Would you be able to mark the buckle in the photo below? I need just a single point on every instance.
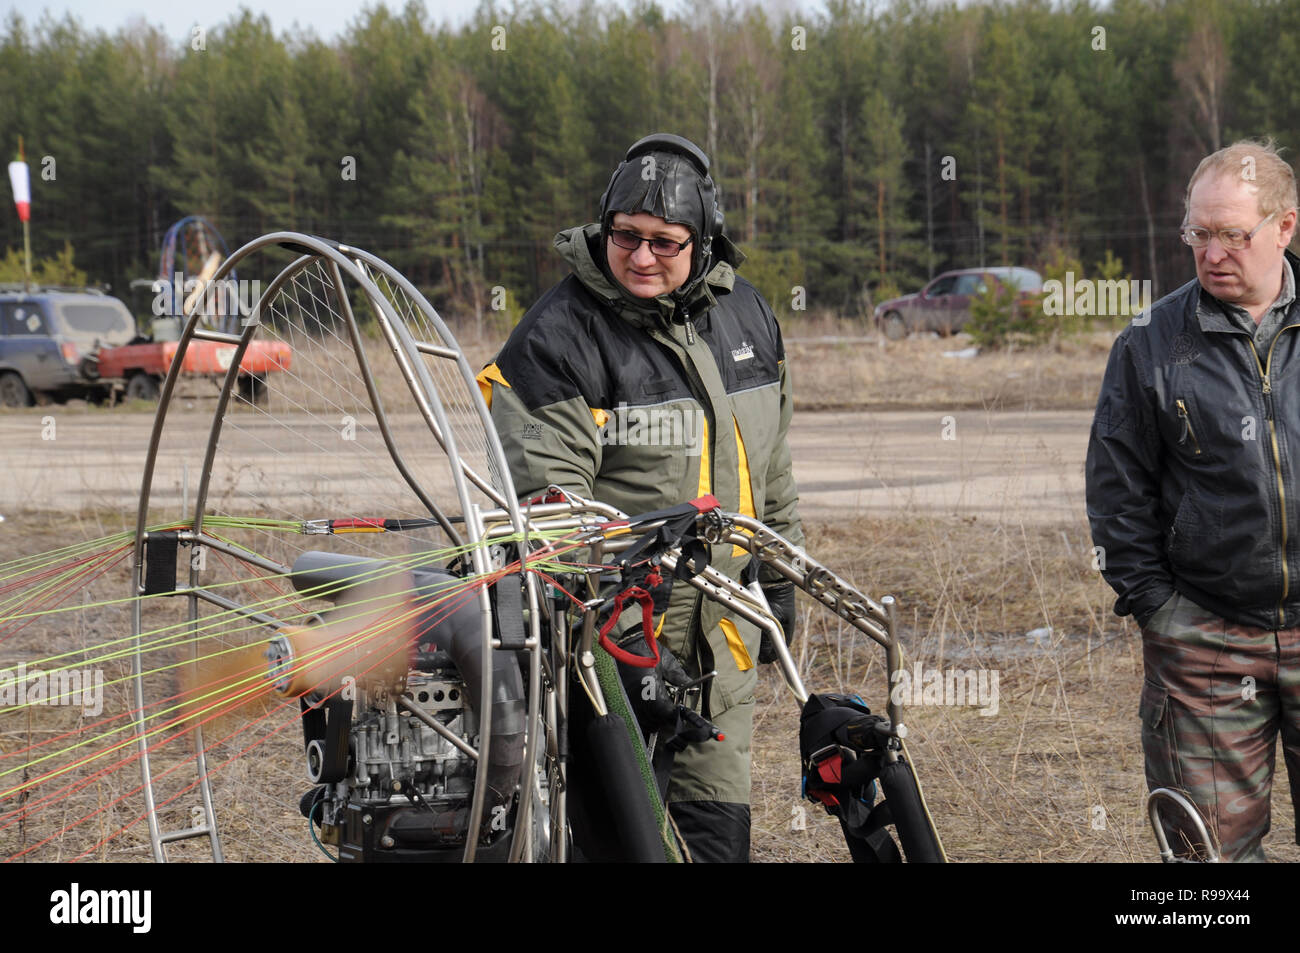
(829, 761)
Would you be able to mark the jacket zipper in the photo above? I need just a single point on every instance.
(697, 382)
(1266, 386)
(1187, 429)
(708, 405)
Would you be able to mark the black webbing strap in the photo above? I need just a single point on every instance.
(678, 529)
(865, 834)
(160, 563)
(509, 615)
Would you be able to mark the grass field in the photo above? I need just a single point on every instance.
(1054, 775)
(844, 365)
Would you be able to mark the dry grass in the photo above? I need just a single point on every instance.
(90, 804)
(1025, 784)
(837, 372)
(1056, 774)
(845, 365)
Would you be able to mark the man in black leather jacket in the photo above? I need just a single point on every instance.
(1194, 500)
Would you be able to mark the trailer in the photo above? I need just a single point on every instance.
(138, 370)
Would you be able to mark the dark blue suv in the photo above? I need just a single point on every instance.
(47, 336)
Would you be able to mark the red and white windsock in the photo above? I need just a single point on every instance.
(22, 184)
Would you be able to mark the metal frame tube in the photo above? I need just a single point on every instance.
(548, 686)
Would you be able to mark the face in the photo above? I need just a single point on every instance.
(643, 273)
(1249, 277)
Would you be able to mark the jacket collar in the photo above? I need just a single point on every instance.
(578, 247)
(1215, 317)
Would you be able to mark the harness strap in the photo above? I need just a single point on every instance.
(647, 628)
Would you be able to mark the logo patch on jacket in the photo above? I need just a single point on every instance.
(743, 353)
(1182, 349)
(532, 431)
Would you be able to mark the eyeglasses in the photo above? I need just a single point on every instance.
(1230, 238)
(661, 247)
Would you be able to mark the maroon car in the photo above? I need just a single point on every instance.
(944, 304)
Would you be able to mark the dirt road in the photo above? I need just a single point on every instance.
(1016, 466)
(1013, 466)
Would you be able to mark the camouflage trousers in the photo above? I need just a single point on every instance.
(1214, 698)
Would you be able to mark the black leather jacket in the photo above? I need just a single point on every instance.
(1193, 462)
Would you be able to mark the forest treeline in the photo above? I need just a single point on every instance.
(859, 147)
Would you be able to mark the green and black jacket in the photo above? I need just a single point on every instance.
(643, 404)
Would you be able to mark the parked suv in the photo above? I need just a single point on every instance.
(944, 304)
(46, 335)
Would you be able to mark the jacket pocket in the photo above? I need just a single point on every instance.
(1197, 526)
(648, 453)
(1160, 617)
(1159, 739)
(1187, 432)
(733, 643)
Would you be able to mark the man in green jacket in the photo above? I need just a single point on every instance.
(650, 376)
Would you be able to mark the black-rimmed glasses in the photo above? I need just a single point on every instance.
(661, 247)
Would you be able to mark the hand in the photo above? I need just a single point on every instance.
(692, 728)
(648, 688)
(780, 599)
